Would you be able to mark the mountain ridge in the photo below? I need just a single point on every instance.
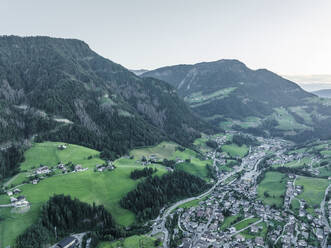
(228, 92)
(105, 105)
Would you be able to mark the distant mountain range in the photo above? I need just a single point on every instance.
(227, 93)
(323, 93)
(59, 89)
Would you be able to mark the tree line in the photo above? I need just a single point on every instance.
(147, 171)
(154, 192)
(10, 160)
(61, 216)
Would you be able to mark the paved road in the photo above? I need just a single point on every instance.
(6, 205)
(326, 222)
(173, 207)
(241, 230)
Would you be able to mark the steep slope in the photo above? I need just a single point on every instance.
(59, 89)
(228, 93)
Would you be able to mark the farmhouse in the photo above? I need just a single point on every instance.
(60, 166)
(9, 193)
(43, 170)
(21, 202)
(16, 191)
(69, 242)
(62, 147)
(35, 181)
(78, 167)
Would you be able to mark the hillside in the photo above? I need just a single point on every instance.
(323, 93)
(230, 95)
(60, 90)
(105, 188)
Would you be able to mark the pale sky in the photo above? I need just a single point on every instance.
(286, 36)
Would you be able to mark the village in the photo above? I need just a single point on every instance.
(233, 216)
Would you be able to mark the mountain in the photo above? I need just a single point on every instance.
(229, 94)
(139, 72)
(59, 89)
(323, 93)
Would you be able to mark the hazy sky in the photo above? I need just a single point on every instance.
(286, 36)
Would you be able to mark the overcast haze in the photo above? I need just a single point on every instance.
(288, 37)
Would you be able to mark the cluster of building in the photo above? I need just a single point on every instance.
(213, 222)
(103, 167)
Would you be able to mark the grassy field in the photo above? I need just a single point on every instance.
(274, 184)
(325, 171)
(130, 242)
(302, 113)
(286, 121)
(193, 203)
(244, 223)
(200, 143)
(313, 189)
(296, 163)
(235, 150)
(162, 151)
(194, 169)
(47, 153)
(228, 221)
(105, 188)
(262, 233)
(295, 205)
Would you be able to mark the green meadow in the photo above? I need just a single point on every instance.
(136, 241)
(105, 188)
(235, 150)
(313, 189)
(244, 223)
(274, 183)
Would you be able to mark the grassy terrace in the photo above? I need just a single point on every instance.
(262, 233)
(313, 189)
(244, 223)
(286, 121)
(106, 188)
(235, 150)
(167, 150)
(228, 221)
(130, 242)
(296, 163)
(274, 184)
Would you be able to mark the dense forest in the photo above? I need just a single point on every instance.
(60, 90)
(10, 160)
(151, 195)
(61, 216)
(241, 139)
(147, 171)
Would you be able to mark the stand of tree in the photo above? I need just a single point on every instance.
(61, 216)
(240, 140)
(10, 160)
(212, 144)
(147, 171)
(151, 195)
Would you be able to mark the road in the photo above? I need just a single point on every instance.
(6, 205)
(241, 230)
(324, 242)
(161, 227)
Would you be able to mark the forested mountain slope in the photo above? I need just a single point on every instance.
(59, 89)
(228, 93)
